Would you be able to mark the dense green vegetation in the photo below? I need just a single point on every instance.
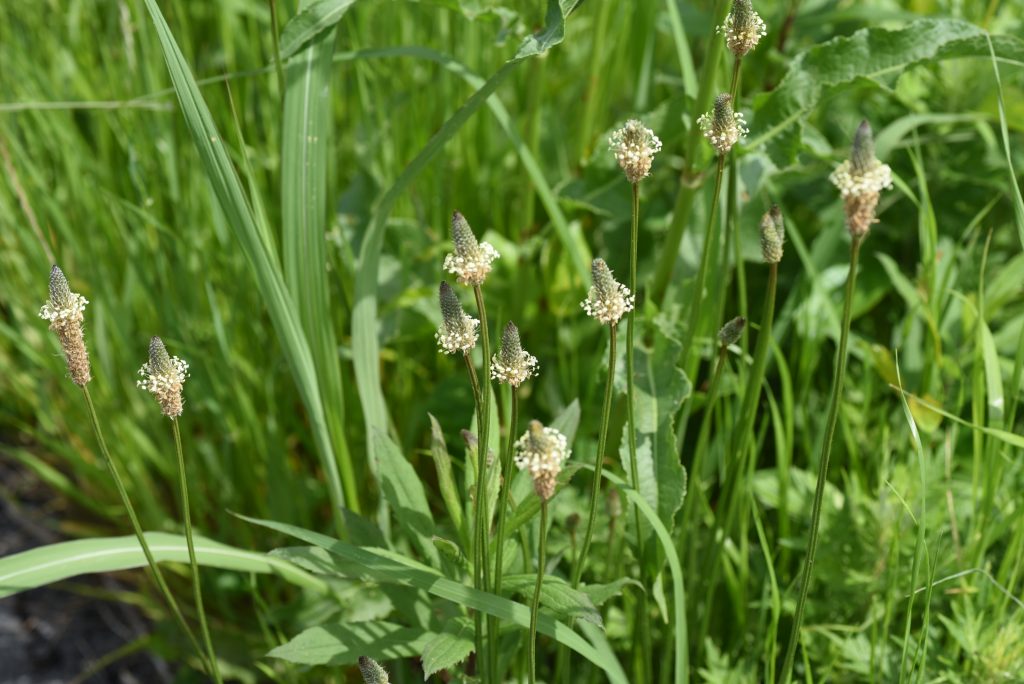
(289, 244)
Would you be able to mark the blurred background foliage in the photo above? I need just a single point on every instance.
(100, 176)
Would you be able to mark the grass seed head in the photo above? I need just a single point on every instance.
(513, 365)
(722, 126)
(471, 261)
(731, 331)
(773, 235)
(372, 672)
(541, 451)
(65, 310)
(608, 300)
(164, 377)
(634, 146)
(743, 28)
(458, 330)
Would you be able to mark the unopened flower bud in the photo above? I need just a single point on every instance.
(743, 28)
(731, 331)
(608, 300)
(471, 261)
(541, 451)
(634, 146)
(722, 126)
(773, 235)
(164, 377)
(513, 365)
(65, 311)
(458, 330)
(372, 672)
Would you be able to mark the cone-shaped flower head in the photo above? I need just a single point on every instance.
(743, 28)
(458, 330)
(722, 127)
(541, 451)
(513, 365)
(163, 376)
(471, 261)
(372, 672)
(773, 235)
(65, 311)
(731, 331)
(860, 179)
(608, 300)
(634, 146)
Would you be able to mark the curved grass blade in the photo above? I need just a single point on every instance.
(230, 196)
(55, 562)
(313, 19)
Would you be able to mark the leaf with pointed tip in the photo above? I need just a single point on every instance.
(343, 644)
(449, 647)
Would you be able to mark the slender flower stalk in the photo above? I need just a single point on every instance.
(511, 366)
(470, 263)
(859, 180)
(541, 451)
(164, 377)
(65, 312)
(607, 302)
(634, 147)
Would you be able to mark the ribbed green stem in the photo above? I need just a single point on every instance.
(506, 485)
(535, 606)
(634, 472)
(826, 452)
(478, 618)
(158, 575)
(705, 258)
(193, 563)
(602, 442)
(482, 565)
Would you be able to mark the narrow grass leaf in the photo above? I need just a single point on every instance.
(314, 19)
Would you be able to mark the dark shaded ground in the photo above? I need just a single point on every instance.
(54, 635)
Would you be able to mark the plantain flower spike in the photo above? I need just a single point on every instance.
(608, 300)
(860, 180)
(458, 330)
(743, 28)
(773, 235)
(471, 261)
(634, 146)
(731, 331)
(541, 451)
(722, 127)
(513, 365)
(163, 376)
(372, 672)
(65, 311)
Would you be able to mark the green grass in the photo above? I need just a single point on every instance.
(286, 238)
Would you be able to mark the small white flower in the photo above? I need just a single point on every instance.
(471, 261)
(634, 146)
(66, 313)
(164, 376)
(722, 127)
(513, 365)
(743, 28)
(874, 178)
(458, 330)
(608, 300)
(541, 451)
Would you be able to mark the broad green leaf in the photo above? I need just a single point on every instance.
(55, 562)
(449, 647)
(314, 19)
(661, 387)
(556, 595)
(445, 479)
(552, 33)
(568, 421)
(380, 566)
(601, 593)
(870, 53)
(305, 140)
(255, 244)
(342, 644)
(404, 492)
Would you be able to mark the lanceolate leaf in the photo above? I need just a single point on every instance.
(868, 53)
(556, 595)
(342, 644)
(404, 492)
(448, 648)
